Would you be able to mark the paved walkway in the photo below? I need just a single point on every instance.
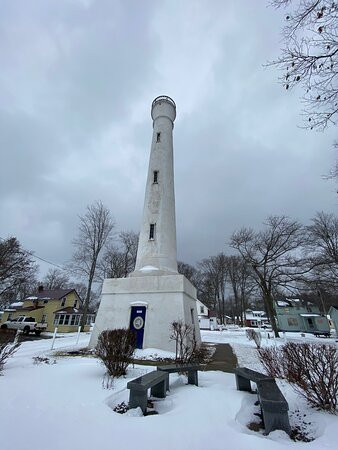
(223, 359)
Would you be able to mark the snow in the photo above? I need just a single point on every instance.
(282, 303)
(309, 315)
(32, 298)
(153, 354)
(16, 304)
(148, 268)
(64, 406)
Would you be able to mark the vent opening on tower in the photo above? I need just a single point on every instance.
(158, 137)
(155, 179)
(152, 231)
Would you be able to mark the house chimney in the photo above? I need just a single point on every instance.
(40, 288)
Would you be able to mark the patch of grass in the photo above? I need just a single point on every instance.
(84, 352)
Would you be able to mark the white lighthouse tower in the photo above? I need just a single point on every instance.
(155, 294)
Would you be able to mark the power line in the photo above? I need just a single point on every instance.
(42, 259)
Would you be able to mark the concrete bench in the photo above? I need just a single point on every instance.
(274, 407)
(191, 369)
(155, 380)
(245, 375)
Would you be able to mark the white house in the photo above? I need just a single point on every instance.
(202, 310)
(207, 319)
(256, 318)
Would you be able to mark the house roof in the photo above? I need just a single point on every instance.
(334, 307)
(49, 294)
(69, 310)
(27, 308)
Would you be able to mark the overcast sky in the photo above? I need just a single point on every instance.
(77, 78)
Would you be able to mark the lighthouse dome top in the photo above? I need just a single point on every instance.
(163, 106)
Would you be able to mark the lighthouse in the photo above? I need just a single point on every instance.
(154, 295)
(157, 242)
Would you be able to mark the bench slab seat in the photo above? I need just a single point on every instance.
(244, 375)
(273, 404)
(192, 370)
(274, 407)
(138, 396)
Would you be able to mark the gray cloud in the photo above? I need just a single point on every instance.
(76, 84)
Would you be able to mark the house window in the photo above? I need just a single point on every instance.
(59, 319)
(292, 321)
(158, 137)
(44, 318)
(75, 303)
(155, 180)
(202, 309)
(90, 319)
(66, 322)
(192, 316)
(72, 320)
(63, 302)
(152, 231)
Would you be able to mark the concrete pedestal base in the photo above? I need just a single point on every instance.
(167, 298)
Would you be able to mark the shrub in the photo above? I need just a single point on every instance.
(121, 408)
(115, 348)
(7, 349)
(255, 336)
(187, 349)
(311, 369)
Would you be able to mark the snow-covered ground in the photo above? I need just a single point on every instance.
(245, 350)
(64, 406)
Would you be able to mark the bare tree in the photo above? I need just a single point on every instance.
(17, 269)
(94, 298)
(310, 57)
(241, 282)
(323, 239)
(119, 260)
(272, 255)
(190, 272)
(56, 279)
(95, 230)
(129, 244)
(214, 278)
(322, 255)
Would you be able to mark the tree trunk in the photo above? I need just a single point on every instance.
(86, 302)
(271, 313)
(320, 294)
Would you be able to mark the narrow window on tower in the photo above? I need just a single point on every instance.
(158, 137)
(152, 231)
(155, 176)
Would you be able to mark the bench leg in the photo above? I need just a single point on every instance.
(138, 398)
(243, 384)
(166, 381)
(193, 377)
(159, 390)
(276, 421)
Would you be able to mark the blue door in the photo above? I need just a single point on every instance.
(137, 321)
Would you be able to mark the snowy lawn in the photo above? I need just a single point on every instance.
(63, 406)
